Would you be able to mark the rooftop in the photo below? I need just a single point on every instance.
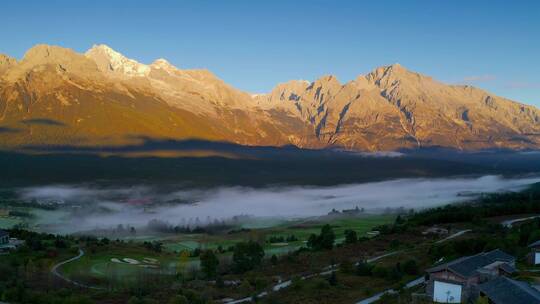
(503, 290)
(467, 266)
(535, 244)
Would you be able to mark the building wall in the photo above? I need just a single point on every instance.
(4, 239)
(444, 292)
(446, 275)
(468, 286)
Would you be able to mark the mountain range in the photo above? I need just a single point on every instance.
(55, 96)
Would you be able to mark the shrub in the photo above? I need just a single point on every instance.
(179, 299)
(346, 267)
(209, 263)
(410, 267)
(323, 241)
(379, 272)
(364, 269)
(246, 256)
(350, 236)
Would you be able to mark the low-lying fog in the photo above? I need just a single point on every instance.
(92, 207)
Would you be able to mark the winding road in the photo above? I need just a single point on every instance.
(56, 267)
(509, 223)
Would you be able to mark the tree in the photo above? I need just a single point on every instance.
(410, 267)
(274, 259)
(333, 279)
(327, 237)
(179, 299)
(363, 269)
(219, 282)
(394, 274)
(209, 263)
(482, 300)
(350, 236)
(246, 256)
(182, 262)
(325, 240)
(134, 300)
(379, 271)
(313, 242)
(346, 267)
(245, 287)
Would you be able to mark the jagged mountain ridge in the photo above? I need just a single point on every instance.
(55, 96)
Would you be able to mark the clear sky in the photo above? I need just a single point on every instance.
(253, 45)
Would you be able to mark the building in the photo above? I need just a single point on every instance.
(458, 280)
(503, 290)
(4, 237)
(534, 255)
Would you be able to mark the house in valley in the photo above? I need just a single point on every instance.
(458, 280)
(7, 244)
(4, 237)
(534, 255)
(503, 290)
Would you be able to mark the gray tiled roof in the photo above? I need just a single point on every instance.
(535, 244)
(508, 268)
(467, 266)
(499, 255)
(503, 290)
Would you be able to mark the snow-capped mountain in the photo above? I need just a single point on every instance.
(57, 96)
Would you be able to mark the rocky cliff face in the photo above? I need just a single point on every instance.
(392, 107)
(55, 96)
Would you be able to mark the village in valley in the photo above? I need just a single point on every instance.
(483, 251)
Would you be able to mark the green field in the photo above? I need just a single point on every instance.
(304, 228)
(9, 222)
(40, 219)
(361, 224)
(301, 229)
(102, 267)
(98, 268)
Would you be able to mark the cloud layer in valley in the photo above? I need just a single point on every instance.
(138, 205)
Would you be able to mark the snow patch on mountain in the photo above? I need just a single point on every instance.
(113, 61)
(165, 65)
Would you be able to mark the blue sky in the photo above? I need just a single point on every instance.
(253, 45)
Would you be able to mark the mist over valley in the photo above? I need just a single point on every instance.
(88, 207)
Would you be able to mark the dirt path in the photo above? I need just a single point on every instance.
(333, 268)
(57, 273)
(412, 283)
(455, 235)
(509, 223)
(285, 284)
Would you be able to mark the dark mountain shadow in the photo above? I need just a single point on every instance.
(251, 166)
(8, 130)
(150, 145)
(43, 122)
